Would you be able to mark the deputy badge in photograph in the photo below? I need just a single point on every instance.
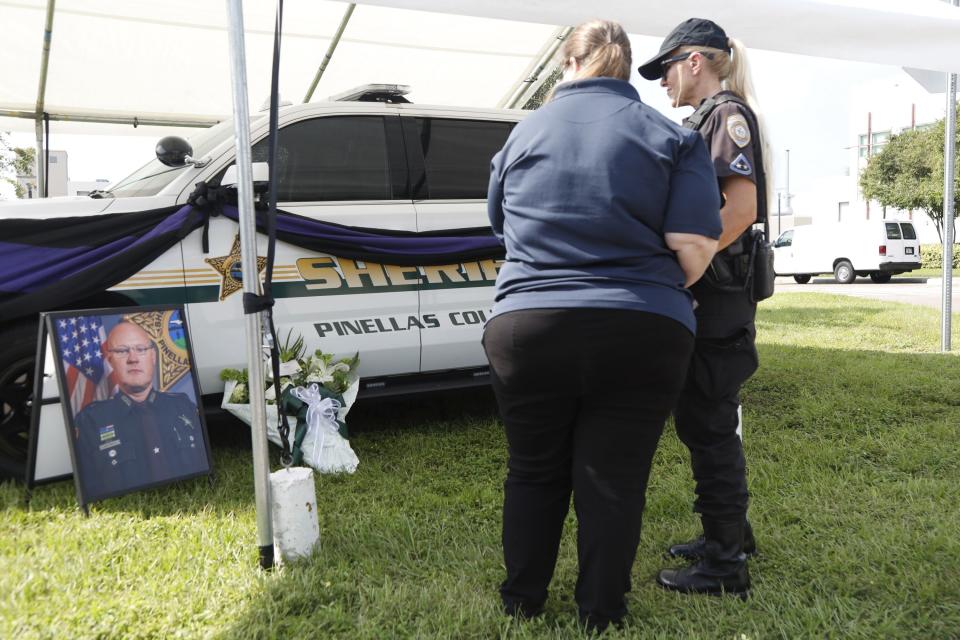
(738, 130)
(166, 329)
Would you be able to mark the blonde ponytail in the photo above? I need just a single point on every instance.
(738, 78)
(734, 73)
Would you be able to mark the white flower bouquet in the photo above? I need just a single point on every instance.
(316, 391)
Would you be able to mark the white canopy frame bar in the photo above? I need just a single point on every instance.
(113, 117)
(329, 54)
(41, 97)
(532, 77)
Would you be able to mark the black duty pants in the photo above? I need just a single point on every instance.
(584, 394)
(706, 419)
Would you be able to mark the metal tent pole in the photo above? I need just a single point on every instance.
(949, 171)
(329, 54)
(789, 206)
(526, 84)
(533, 70)
(115, 117)
(41, 98)
(251, 282)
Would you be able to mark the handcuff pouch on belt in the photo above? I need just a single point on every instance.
(746, 266)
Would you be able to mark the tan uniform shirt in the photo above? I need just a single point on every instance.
(730, 141)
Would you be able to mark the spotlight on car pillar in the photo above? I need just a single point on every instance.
(173, 151)
(261, 177)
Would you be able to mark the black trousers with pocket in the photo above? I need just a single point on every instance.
(706, 421)
(584, 394)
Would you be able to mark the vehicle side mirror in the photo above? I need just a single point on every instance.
(261, 176)
(173, 151)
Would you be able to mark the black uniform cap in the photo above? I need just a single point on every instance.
(695, 32)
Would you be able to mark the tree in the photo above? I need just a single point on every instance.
(908, 173)
(16, 160)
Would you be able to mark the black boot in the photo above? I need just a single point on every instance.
(723, 568)
(693, 549)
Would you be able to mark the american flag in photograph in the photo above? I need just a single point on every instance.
(88, 375)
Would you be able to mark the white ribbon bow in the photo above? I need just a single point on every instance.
(321, 413)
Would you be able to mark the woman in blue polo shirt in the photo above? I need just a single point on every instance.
(608, 211)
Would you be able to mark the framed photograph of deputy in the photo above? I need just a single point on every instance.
(130, 399)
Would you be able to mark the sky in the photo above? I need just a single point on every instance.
(804, 100)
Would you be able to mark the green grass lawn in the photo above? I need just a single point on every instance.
(926, 272)
(853, 452)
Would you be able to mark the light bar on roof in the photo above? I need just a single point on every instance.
(358, 93)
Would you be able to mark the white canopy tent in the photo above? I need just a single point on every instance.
(914, 33)
(164, 60)
(132, 56)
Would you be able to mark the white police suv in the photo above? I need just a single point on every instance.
(365, 159)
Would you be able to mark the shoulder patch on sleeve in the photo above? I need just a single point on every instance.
(738, 130)
(741, 165)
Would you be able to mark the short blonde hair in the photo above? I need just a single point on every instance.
(602, 49)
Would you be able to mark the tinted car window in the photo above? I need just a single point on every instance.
(149, 180)
(893, 231)
(457, 155)
(785, 240)
(909, 233)
(335, 158)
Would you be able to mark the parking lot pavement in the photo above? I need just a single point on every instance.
(921, 291)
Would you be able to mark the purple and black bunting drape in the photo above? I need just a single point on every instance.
(47, 264)
(405, 248)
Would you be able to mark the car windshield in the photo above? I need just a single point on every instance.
(152, 177)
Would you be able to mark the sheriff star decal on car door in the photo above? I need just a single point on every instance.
(230, 271)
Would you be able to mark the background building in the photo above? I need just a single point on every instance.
(60, 182)
(58, 174)
(878, 109)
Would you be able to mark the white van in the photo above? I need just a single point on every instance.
(876, 248)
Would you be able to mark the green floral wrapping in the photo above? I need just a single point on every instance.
(293, 406)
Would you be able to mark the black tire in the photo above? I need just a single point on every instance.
(843, 272)
(802, 278)
(880, 277)
(17, 359)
